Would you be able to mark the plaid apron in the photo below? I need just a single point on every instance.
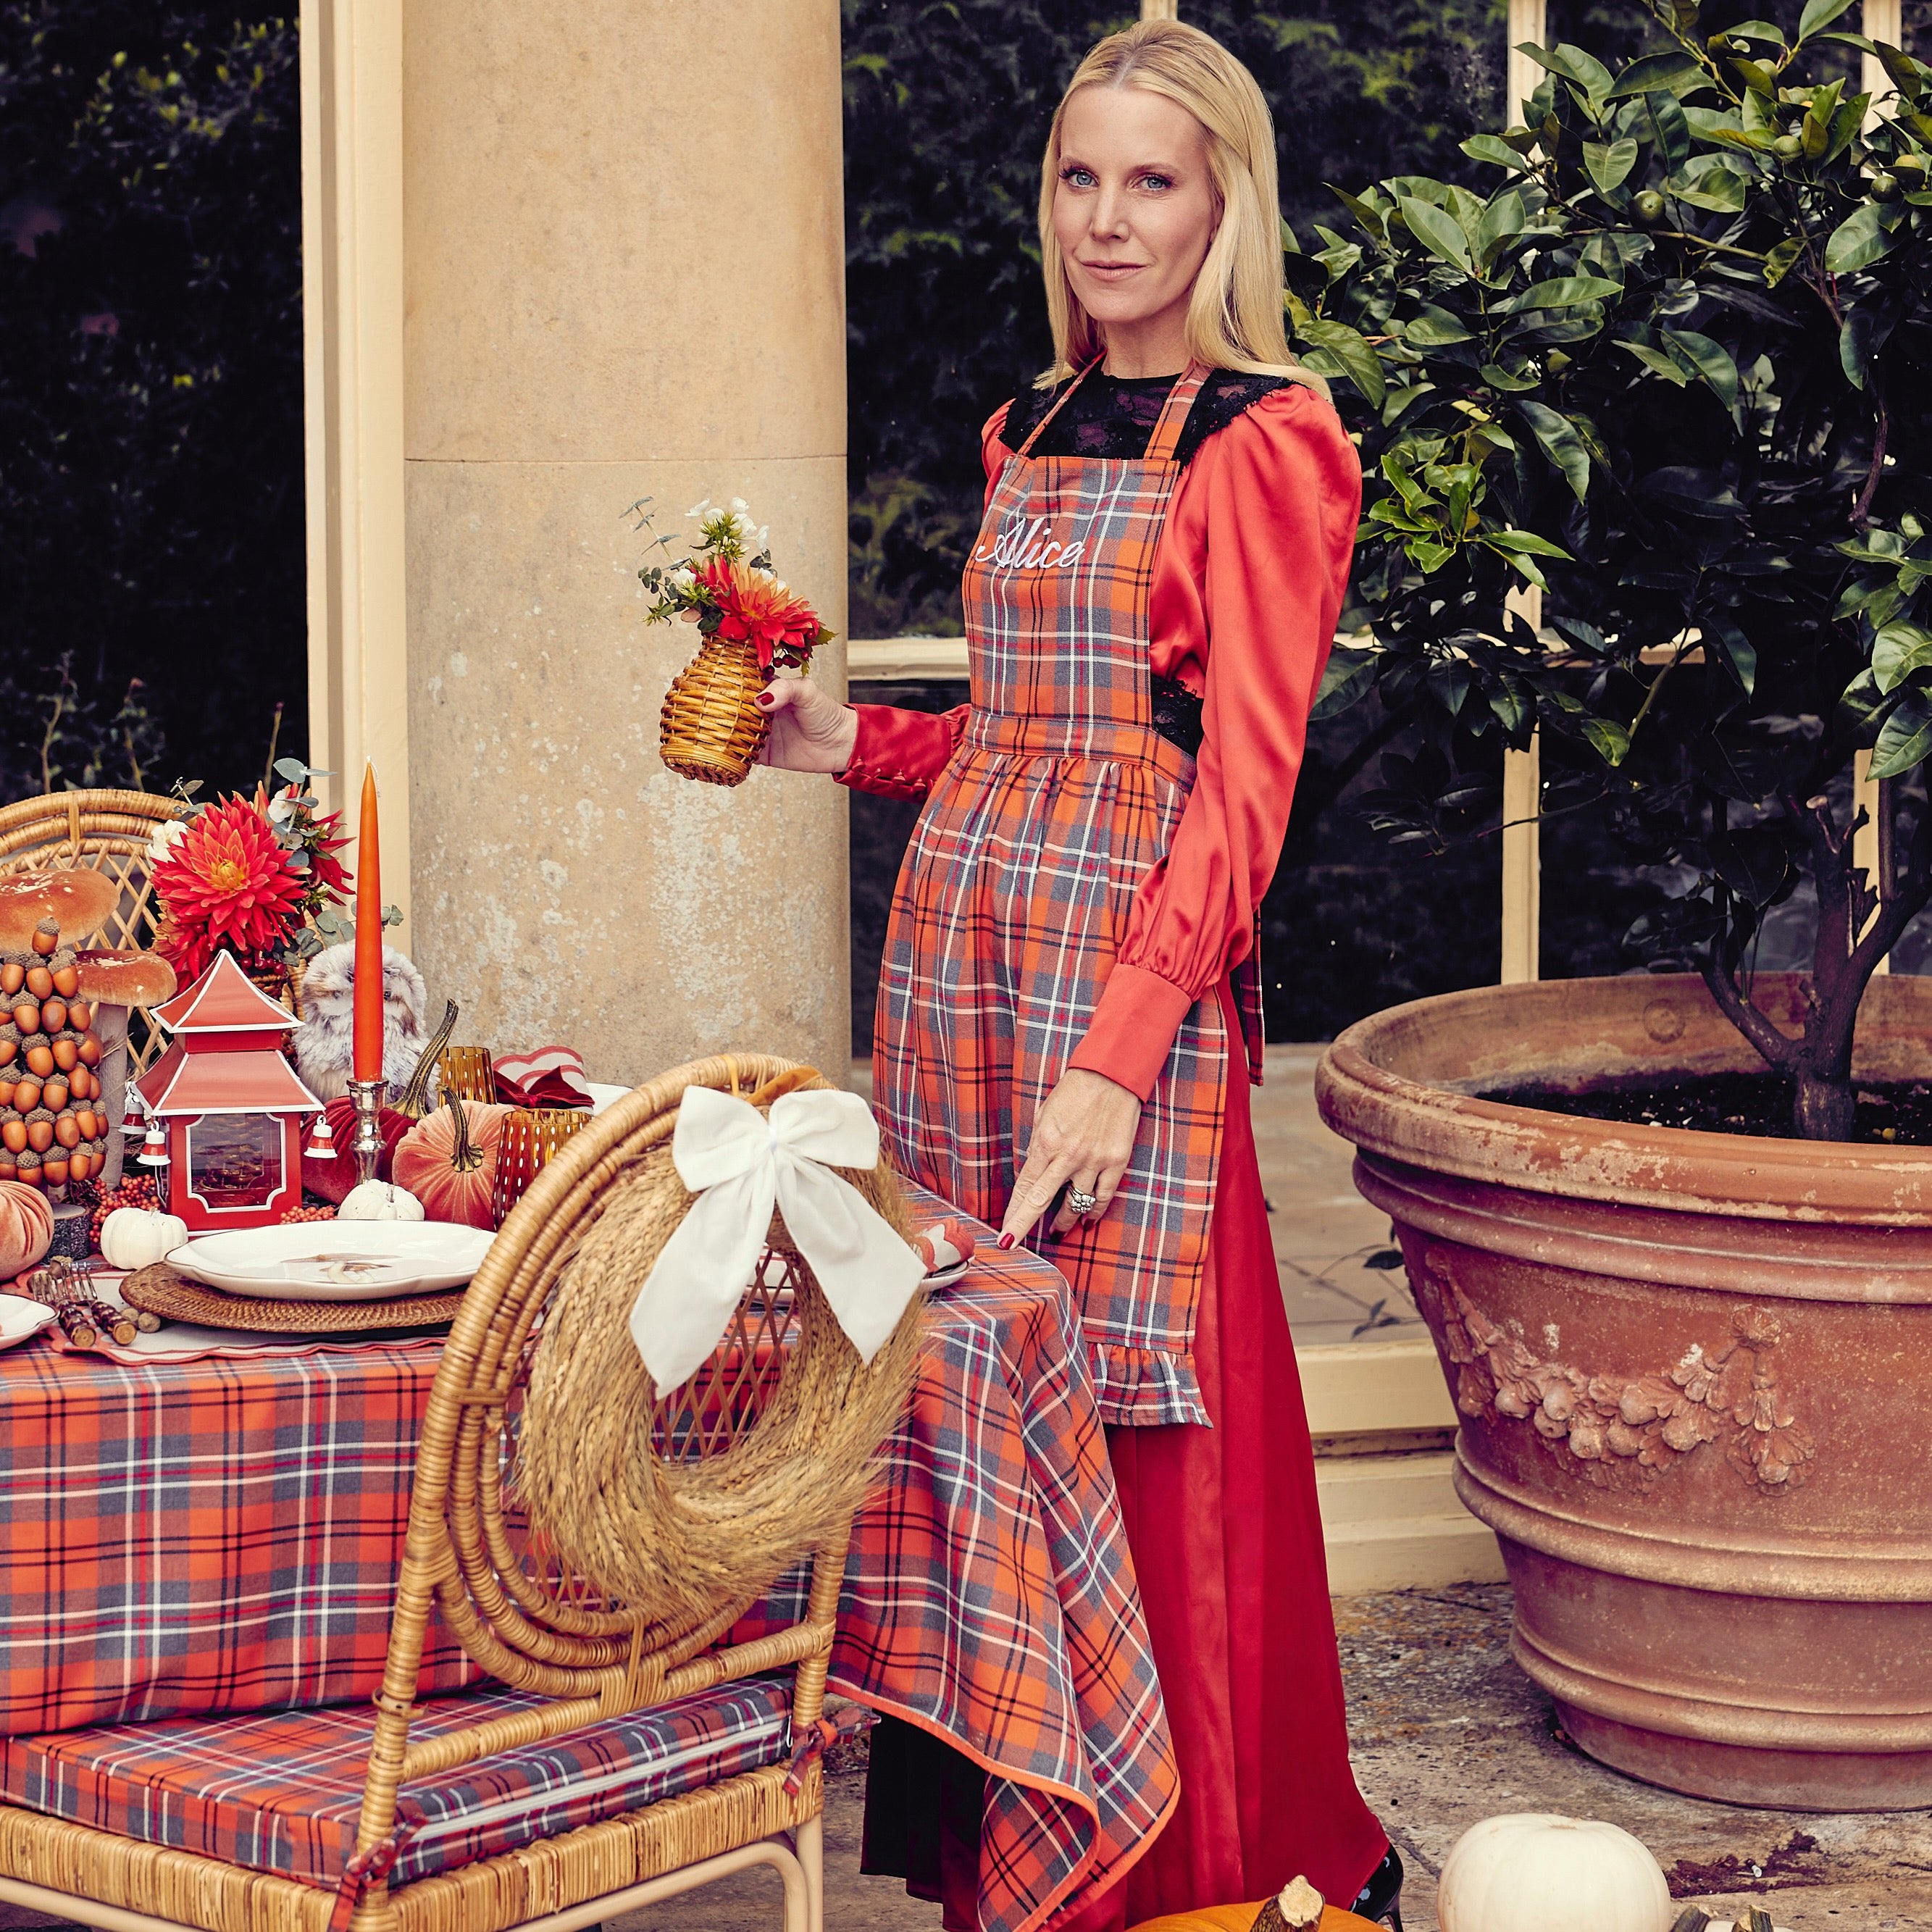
(1017, 885)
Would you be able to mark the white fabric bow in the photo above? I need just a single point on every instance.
(739, 1162)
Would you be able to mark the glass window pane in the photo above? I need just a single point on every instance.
(235, 1160)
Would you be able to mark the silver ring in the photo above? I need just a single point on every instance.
(1082, 1204)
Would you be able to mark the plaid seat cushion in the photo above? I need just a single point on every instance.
(280, 1793)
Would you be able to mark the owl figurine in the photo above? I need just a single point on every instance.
(324, 1043)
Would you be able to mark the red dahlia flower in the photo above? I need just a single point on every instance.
(756, 608)
(225, 881)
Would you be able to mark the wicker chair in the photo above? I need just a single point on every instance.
(578, 1678)
(109, 831)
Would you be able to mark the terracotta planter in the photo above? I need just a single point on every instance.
(1693, 1373)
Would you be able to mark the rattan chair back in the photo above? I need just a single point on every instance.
(524, 1610)
(108, 831)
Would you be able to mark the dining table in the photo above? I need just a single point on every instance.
(187, 1531)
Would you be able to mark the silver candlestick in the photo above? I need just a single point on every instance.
(367, 1145)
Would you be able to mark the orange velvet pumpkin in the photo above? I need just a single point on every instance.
(1241, 1919)
(26, 1228)
(447, 1160)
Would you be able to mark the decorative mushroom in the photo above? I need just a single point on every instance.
(76, 898)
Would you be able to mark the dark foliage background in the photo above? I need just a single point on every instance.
(151, 430)
(947, 109)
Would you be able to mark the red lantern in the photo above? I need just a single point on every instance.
(231, 1105)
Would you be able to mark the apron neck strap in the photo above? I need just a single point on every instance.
(1166, 437)
(1060, 403)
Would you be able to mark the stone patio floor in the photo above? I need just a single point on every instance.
(1447, 1731)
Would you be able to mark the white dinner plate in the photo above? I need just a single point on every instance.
(602, 1094)
(21, 1316)
(945, 1277)
(336, 1260)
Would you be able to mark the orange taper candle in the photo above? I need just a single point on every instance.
(368, 1033)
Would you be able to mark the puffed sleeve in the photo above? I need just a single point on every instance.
(899, 753)
(1268, 513)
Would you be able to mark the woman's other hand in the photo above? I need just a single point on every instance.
(1083, 1135)
(810, 731)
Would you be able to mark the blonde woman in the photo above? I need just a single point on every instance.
(1069, 1015)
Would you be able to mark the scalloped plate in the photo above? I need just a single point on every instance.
(335, 1261)
(21, 1318)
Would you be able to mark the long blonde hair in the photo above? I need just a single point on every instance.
(1234, 313)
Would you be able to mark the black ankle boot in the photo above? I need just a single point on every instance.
(1381, 1899)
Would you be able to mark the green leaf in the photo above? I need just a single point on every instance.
(1905, 738)
(1752, 861)
(1711, 361)
(1370, 218)
(1399, 402)
(1657, 362)
(1565, 291)
(1607, 738)
(1360, 362)
(1440, 234)
(1708, 181)
(1433, 328)
(1502, 220)
(1498, 152)
(1778, 263)
(1348, 677)
(1573, 64)
(1819, 14)
(1609, 163)
(1672, 129)
(1858, 240)
(1898, 652)
(1674, 72)
(1739, 653)
(1557, 437)
(1511, 382)
(1526, 543)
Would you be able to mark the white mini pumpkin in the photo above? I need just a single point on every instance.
(133, 1238)
(379, 1200)
(1528, 1871)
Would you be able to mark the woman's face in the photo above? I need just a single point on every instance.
(1134, 208)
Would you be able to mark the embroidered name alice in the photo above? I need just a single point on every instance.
(1018, 548)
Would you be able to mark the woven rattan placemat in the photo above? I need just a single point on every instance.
(160, 1290)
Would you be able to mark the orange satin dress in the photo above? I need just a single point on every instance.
(1248, 582)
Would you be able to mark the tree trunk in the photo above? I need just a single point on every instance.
(1824, 1109)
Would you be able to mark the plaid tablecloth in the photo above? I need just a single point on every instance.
(222, 1535)
(990, 1597)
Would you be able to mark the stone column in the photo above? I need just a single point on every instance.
(623, 250)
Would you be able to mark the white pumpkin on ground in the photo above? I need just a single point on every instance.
(1533, 1871)
(379, 1200)
(134, 1237)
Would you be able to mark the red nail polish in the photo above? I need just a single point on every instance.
(1006, 1240)
(765, 701)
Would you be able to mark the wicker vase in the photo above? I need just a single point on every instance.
(711, 726)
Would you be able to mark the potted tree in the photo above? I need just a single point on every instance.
(1646, 432)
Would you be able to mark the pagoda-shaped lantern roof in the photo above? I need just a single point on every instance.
(227, 1056)
(223, 1000)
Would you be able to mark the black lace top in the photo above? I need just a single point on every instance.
(1114, 415)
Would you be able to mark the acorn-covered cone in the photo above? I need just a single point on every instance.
(1297, 1906)
(711, 726)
